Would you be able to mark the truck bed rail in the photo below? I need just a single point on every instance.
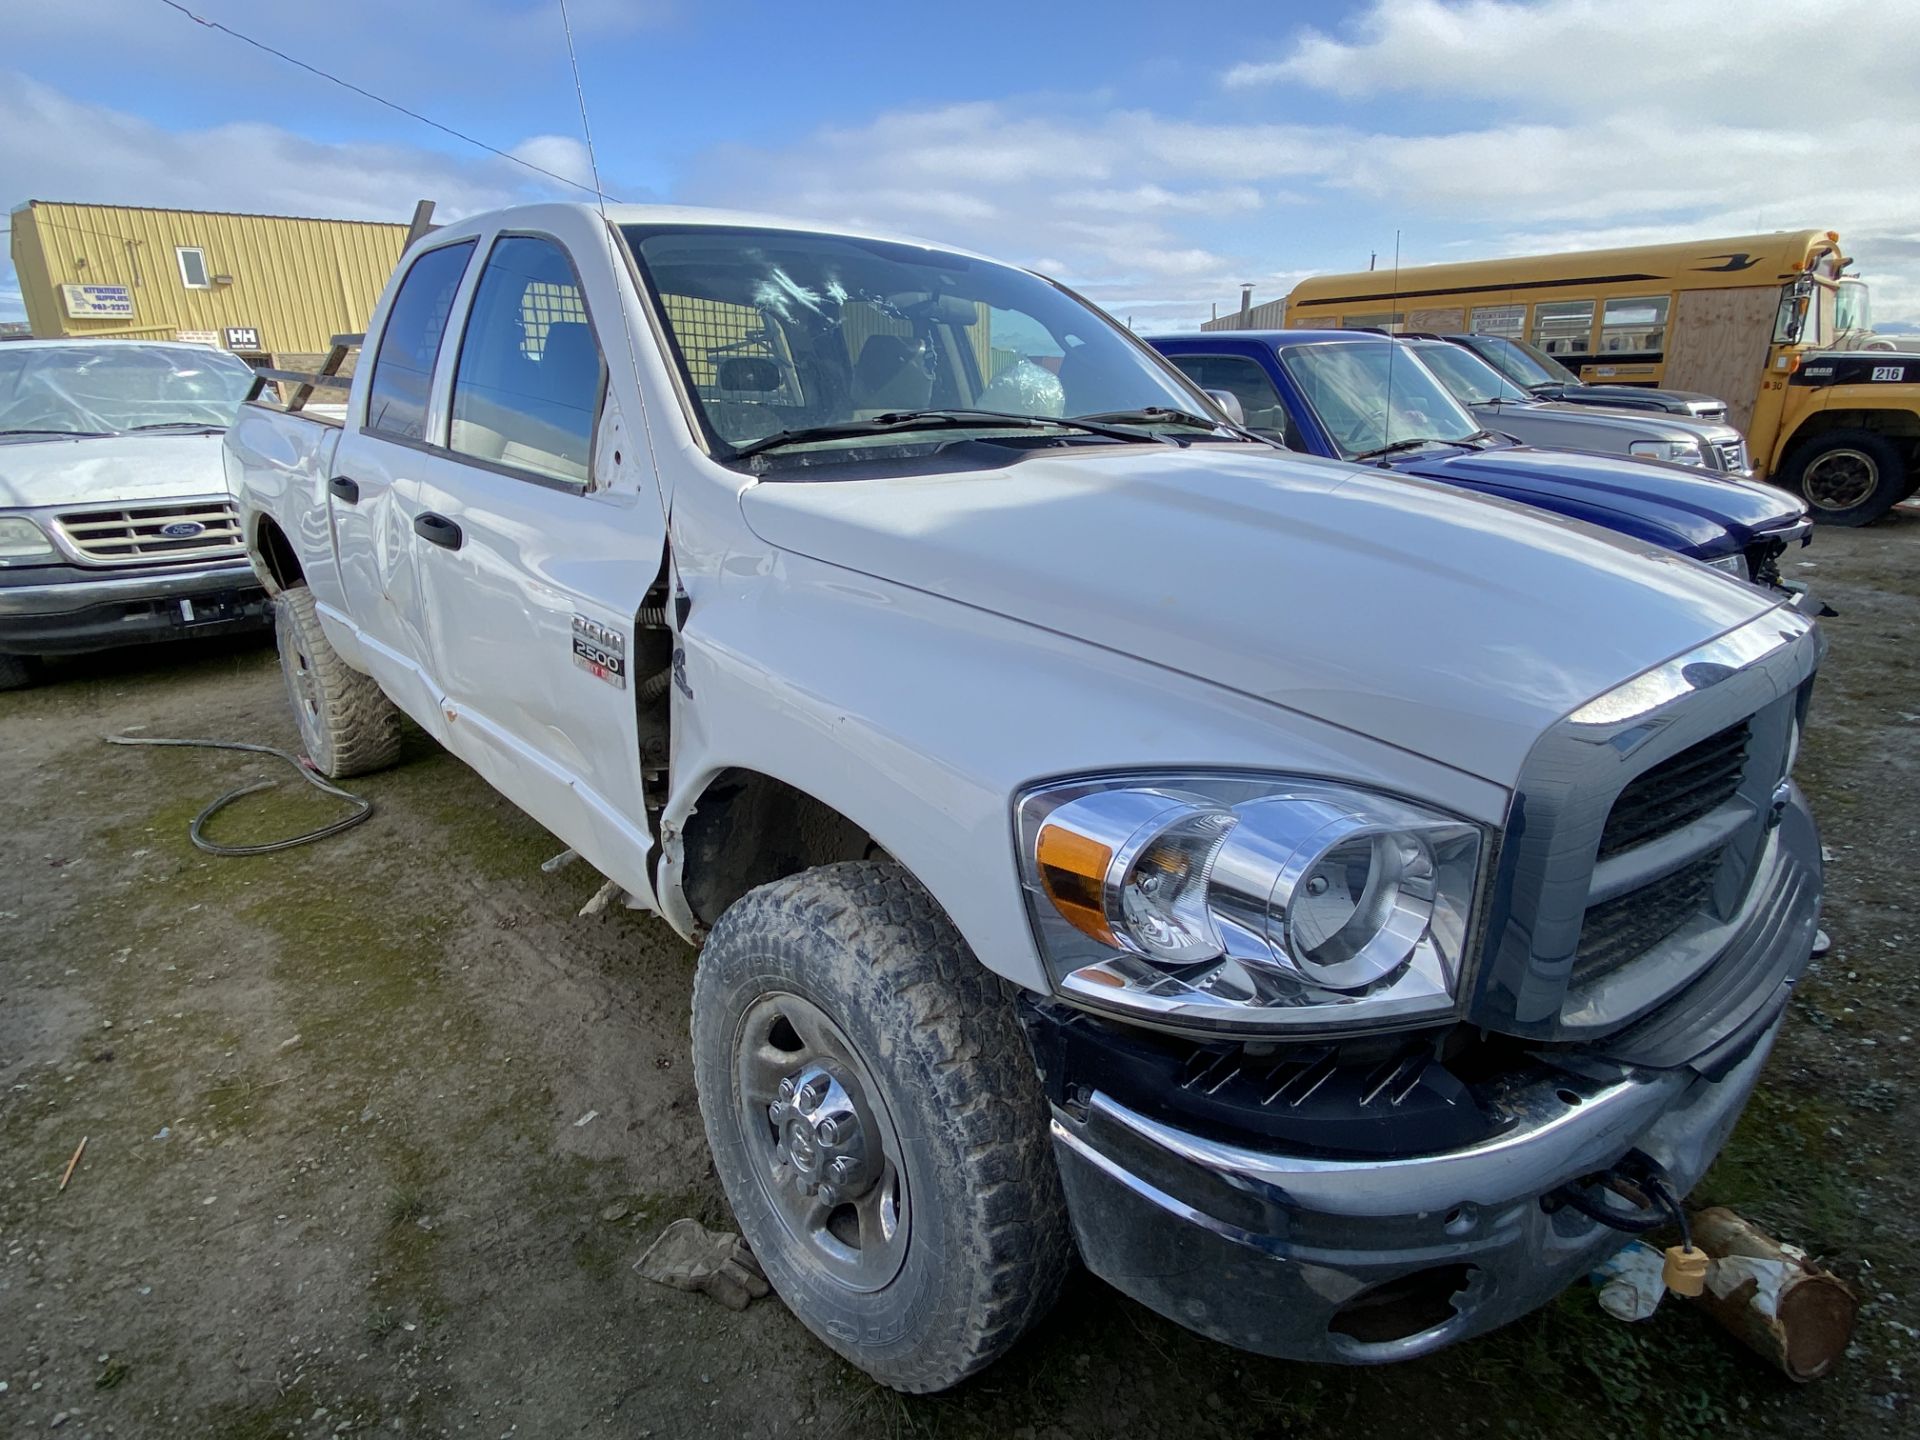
(304, 383)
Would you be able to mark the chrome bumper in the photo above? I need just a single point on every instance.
(75, 595)
(1270, 1252)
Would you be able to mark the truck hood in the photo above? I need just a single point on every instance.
(1452, 626)
(1644, 424)
(46, 471)
(1644, 399)
(1695, 512)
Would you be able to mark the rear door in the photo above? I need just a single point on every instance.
(538, 533)
(376, 469)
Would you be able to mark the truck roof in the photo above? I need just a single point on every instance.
(1271, 337)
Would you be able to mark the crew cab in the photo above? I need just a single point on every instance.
(1361, 396)
(116, 523)
(1308, 891)
(1545, 378)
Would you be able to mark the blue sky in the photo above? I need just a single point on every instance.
(1151, 155)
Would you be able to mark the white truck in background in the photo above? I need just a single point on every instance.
(1315, 895)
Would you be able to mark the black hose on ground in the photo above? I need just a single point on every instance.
(363, 807)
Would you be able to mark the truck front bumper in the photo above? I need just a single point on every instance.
(66, 610)
(1362, 1261)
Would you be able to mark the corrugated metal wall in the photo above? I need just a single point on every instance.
(297, 281)
(1268, 316)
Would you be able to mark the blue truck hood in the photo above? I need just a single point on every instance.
(1699, 515)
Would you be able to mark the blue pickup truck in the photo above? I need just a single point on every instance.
(1363, 396)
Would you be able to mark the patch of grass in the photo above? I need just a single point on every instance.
(407, 1205)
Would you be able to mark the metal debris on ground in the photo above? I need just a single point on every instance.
(690, 1257)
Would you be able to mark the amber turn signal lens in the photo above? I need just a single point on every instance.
(1073, 871)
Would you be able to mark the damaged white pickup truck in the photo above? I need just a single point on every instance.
(1339, 906)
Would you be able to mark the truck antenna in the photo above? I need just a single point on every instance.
(1393, 311)
(613, 256)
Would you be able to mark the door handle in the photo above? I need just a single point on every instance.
(437, 530)
(345, 489)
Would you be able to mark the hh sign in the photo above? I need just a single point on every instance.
(97, 302)
(243, 337)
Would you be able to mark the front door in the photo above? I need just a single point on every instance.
(535, 549)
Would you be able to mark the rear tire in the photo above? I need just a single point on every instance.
(1847, 477)
(846, 992)
(17, 672)
(347, 724)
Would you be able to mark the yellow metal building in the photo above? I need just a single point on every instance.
(268, 287)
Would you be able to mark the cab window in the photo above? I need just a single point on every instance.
(527, 386)
(403, 367)
(1243, 379)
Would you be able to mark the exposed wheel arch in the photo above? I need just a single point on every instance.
(274, 557)
(749, 829)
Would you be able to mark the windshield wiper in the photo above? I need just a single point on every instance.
(898, 420)
(178, 425)
(70, 434)
(1396, 447)
(1167, 415)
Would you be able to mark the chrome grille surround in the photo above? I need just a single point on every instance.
(1582, 945)
(134, 534)
(1730, 456)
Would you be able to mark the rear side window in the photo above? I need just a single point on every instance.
(403, 369)
(1243, 379)
(528, 383)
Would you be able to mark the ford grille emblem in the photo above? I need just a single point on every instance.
(183, 529)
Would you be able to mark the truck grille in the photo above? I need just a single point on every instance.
(1628, 926)
(137, 535)
(1732, 455)
(1677, 791)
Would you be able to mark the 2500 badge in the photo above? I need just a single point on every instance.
(600, 650)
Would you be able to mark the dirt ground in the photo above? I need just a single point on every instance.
(376, 1128)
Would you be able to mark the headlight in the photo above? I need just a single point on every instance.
(1734, 565)
(22, 542)
(1680, 452)
(1234, 902)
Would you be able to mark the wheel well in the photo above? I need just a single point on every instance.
(1900, 426)
(749, 829)
(276, 555)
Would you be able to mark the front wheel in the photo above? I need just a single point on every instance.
(1847, 477)
(877, 1124)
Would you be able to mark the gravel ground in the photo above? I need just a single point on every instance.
(375, 1129)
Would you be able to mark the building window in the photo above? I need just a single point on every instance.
(1634, 327)
(193, 266)
(1564, 327)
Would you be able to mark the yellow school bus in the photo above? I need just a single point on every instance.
(1753, 319)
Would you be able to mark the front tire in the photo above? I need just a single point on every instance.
(17, 672)
(877, 1124)
(1848, 477)
(347, 724)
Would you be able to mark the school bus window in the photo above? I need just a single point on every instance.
(1509, 321)
(1634, 326)
(1378, 320)
(1563, 327)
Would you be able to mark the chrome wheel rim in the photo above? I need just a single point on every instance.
(822, 1142)
(1841, 479)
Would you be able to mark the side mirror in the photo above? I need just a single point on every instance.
(1230, 404)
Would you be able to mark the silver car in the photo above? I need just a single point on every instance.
(1499, 404)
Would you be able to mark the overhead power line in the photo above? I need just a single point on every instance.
(382, 100)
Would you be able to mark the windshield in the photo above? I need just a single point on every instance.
(1854, 307)
(1346, 383)
(1526, 365)
(1472, 380)
(777, 331)
(116, 385)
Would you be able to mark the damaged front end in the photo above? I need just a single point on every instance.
(1362, 1197)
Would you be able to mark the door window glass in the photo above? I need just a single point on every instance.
(403, 368)
(1563, 327)
(1246, 382)
(527, 386)
(1634, 327)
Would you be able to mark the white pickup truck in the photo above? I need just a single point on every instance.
(1339, 906)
